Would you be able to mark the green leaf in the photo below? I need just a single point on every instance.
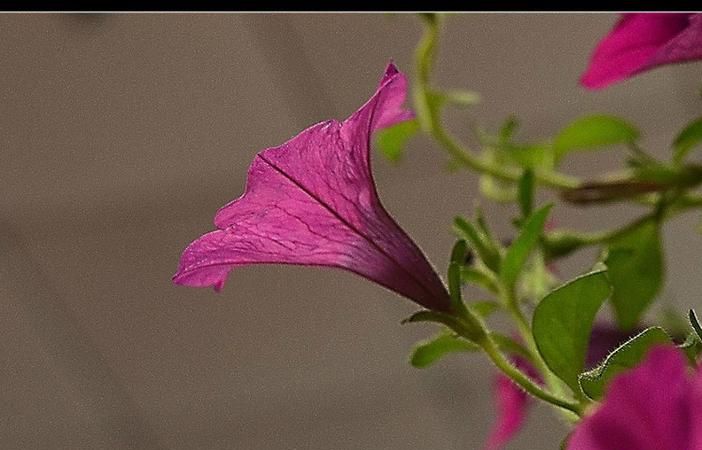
(487, 250)
(430, 351)
(526, 192)
(460, 97)
(635, 264)
(594, 131)
(563, 320)
(689, 138)
(519, 251)
(391, 141)
(626, 356)
(695, 323)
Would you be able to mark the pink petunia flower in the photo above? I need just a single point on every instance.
(642, 41)
(312, 201)
(655, 406)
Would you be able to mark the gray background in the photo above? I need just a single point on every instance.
(121, 136)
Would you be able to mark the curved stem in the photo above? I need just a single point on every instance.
(428, 117)
(468, 159)
(525, 382)
(510, 302)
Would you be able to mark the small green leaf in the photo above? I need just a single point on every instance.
(592, 132)
(391, 141)
(688, 139)
(430, 351)
(695, 323)
(460, 97)
(526, 192)
(487, 250)
(624, 357)
(520, 249)
(635, 264)
(562, 323)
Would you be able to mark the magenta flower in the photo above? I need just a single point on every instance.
(642, 41)
(655, 406)
(312, 201)
(512, 405)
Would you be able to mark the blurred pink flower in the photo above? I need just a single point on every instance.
(642, 41)
(512, 405)
(655, 406)
(312, 201)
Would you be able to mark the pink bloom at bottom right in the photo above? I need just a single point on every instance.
(655, 406)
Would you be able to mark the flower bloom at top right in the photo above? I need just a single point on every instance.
(640, 42)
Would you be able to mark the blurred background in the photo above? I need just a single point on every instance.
(123, 134)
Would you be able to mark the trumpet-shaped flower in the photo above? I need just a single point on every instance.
(642, 41)
(312, 201)
(655, 406)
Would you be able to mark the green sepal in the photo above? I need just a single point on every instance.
(426, 353)
(468, 326)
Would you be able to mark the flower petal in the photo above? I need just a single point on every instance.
(644, 409)
(642, 41)
(313, 201)
(512, 406)
(512, 403)
(695, 405)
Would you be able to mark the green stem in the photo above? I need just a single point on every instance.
(510, 302)
(524, 381)
(429, 119)
(560, 243)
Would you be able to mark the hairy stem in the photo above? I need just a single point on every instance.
(524, 381)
